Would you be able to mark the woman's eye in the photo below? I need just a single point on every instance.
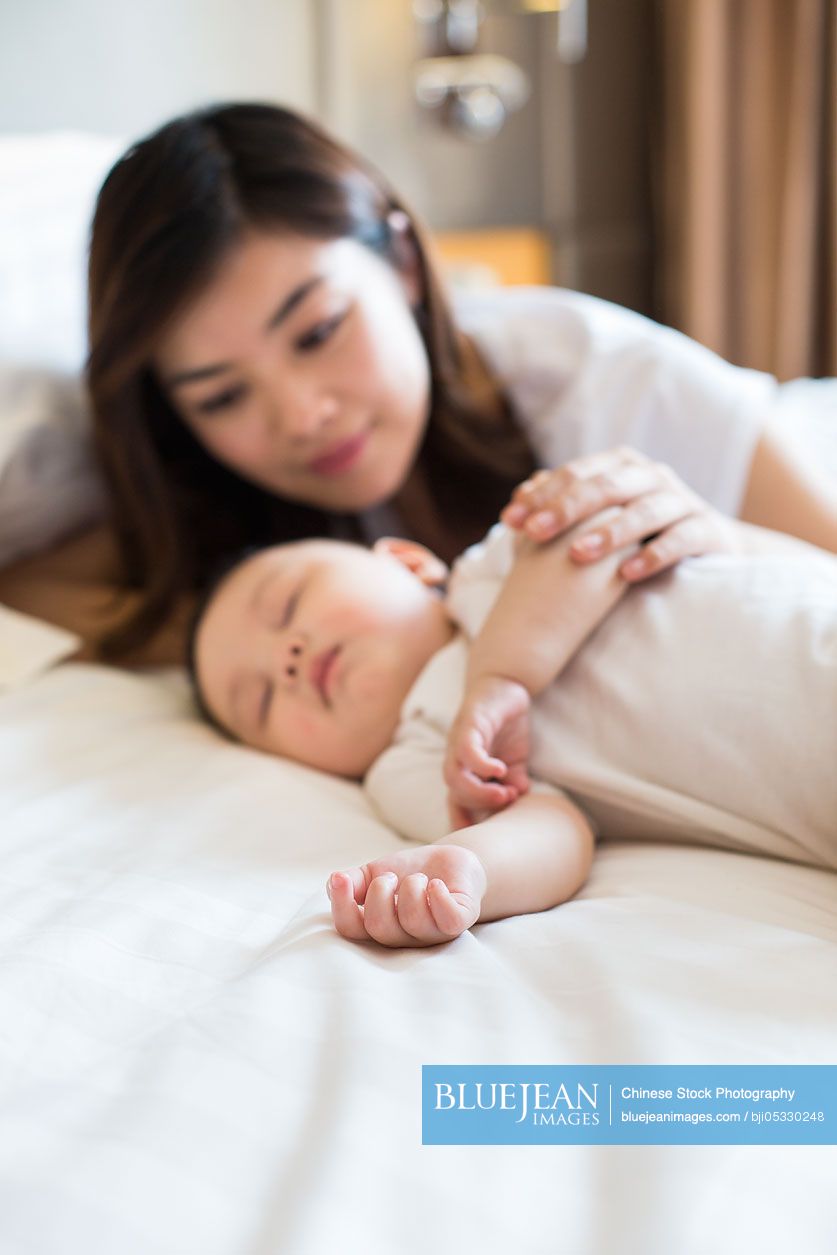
(319, 334)
(222, 401)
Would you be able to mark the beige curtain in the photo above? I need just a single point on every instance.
(746, 179)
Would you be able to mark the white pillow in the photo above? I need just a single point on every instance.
(48, 188)
(49, 484)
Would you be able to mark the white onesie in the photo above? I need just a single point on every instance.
(703, 709)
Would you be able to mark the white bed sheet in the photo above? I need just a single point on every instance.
(191, 1060)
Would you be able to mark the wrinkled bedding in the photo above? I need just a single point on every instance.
(191, 1059)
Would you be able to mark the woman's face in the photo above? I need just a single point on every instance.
(302, 368)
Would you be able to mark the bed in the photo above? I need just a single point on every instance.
(191, 1060)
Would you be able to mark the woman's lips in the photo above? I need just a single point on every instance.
(339, 457)
(322, 672)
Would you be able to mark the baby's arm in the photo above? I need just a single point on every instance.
(530, 857)
(546, 609)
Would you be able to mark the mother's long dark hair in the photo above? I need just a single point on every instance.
(167, 216)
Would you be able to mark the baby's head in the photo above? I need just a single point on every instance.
(309, 649)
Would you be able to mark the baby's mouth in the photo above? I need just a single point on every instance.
(322, 672)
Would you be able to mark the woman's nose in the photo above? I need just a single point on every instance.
(300, 413)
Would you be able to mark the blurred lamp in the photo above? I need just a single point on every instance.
(476, 93)
(472, 93)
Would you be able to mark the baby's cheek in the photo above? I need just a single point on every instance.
(306, 729)
(297, 738)
(348, 621)
(371, 685)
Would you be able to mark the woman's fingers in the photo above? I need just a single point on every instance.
(531, 491)
(543, 484)
(697, 534)
(557, 503)
(639, 500)
(642, 518)
(588, 496)
(529, 495)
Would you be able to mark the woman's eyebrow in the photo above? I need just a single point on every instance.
(287, 307)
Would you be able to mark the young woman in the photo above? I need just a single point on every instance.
(272, 355)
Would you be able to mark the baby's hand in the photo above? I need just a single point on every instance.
(488, 749)
(420, 897)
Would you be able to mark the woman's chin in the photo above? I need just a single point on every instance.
(355, 495)
(376, 480)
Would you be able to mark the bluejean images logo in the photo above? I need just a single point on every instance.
(710, 1104)
(545, 1103)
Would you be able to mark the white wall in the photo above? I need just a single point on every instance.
(122, 68)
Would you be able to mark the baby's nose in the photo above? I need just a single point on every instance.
(293, 658)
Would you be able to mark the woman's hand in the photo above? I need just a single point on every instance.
(655, 503)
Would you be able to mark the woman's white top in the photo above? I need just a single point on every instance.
(585, 375)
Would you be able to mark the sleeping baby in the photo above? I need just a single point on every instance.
(533, 706)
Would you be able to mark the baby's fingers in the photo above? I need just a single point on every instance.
(403, 918)
(345, 911)
(358, 880)
(430, 913)
(473, 755)
(518, 778)
(474, 794)
(452, 912)
(415, 914)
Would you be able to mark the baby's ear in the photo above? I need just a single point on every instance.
(431, 570)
